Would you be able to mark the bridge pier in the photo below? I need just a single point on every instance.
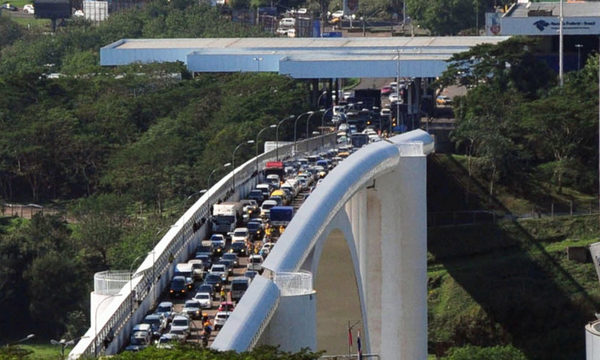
(403, 261)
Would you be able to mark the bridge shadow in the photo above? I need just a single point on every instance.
(525, 295)
(337, 296)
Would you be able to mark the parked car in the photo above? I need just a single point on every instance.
(239, 248)
(255, 263)
(443, 100)
(180, 327)
(204, 299)
(215, 280)
(226, 306)
(233, 257)
(8, 7)
(240, 235)
(166, 341)
(250, 274)
(179, 286)
(141, 337)
(158, 323)
(28, 9)
(287, 22)
(165, 309)
(192, 309)
(220, 319)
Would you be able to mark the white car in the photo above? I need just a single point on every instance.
(204, 299)
(337, 14)
(218, 239)
(180, 327)
(220, 270)
(220, 319)
(255, 263)
(393, 97)
(287, 22)
(28, 9)
(266, 248)
(302, 11)
(240, 235)
(192, 309)
(291, 33)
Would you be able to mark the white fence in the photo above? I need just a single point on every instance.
(111, 330)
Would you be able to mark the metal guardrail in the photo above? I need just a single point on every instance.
(177, 244)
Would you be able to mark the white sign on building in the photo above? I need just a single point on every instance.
(496, 24)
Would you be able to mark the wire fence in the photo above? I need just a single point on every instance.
(25, 211)
(472, 217)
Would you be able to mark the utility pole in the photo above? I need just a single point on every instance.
(560, 44)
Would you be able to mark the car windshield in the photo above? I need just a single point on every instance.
(178, 282)
(240, 233)
(141, 340)
(152, 321)
(213, 278)
(162, 309)
(218, 268)
(203, 296)
(221, 219)
(229, 256)
(192, 305)
(222, 316)
(256, 260)
(180, 322)
(253, 226)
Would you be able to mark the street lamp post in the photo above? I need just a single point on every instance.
(397, 91)
(96, 322)
(277, 135)
(308, 122)
(323, 124)
(63, 344)
(131, 279)
(28, 337)
(273, 126)
(560, 44)
(296, 125)
(578, 46)
(233, 160)
(212, 172)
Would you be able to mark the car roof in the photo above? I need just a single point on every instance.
(240, 229)
(166, 303)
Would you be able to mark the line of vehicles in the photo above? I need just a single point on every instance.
(205, 290)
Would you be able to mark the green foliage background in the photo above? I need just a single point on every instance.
(118, 149)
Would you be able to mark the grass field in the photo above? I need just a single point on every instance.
(45, 351)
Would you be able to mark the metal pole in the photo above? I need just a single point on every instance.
(296, 125)
(560, 44)
(277, 135)
(233, 160)
(257, 136)
(599, 127)
(96, 323)
(578, 46)
(308, 123)
(397, 92)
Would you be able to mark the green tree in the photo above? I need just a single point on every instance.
(470, 352)
(101, 220)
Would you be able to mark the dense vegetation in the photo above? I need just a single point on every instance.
(119, 150)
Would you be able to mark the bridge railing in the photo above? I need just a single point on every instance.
(111, 328)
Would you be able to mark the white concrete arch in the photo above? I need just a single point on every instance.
(380, 188)
(340, 222)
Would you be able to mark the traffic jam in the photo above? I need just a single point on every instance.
(205, 290)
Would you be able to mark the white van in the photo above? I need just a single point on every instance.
(239, 285)
(287, 22)
(266, 206)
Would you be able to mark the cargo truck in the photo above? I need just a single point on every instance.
(281, 215)
(226, 216)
